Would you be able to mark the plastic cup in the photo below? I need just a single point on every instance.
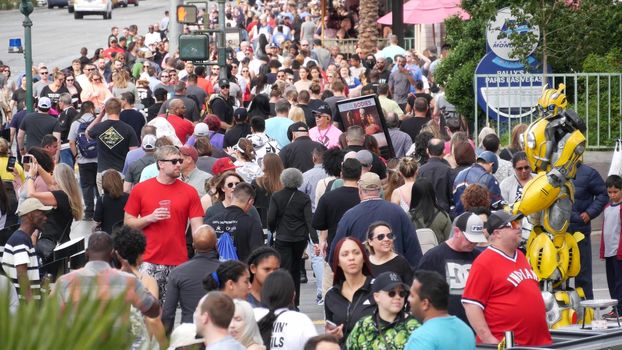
(166, 204)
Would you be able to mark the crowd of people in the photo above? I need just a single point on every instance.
(209, 191)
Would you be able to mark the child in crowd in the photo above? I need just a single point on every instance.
(610, 248)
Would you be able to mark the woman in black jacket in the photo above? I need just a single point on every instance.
(289, 217)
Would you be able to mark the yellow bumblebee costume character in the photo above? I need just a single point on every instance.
(554, 144)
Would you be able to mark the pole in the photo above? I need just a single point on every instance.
(26, 9)
(397, 7)
(222, 59)
(174, 27)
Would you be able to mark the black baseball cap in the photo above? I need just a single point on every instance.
(322, 109)
(240, 114)
(499, 219)
(387, 281)
(223, 83)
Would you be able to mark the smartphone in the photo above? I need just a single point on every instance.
(10, 165)
(330, 324)
(26, 159)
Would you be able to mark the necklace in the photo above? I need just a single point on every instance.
(323, 139)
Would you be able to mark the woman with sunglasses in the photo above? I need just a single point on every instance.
(382, 256)
(97, 92)
(350, 298)
(74, 89)
(224, 187)
(389, 326)
(512, 187)
(54, 90)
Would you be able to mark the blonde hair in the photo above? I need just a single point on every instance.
(66, 181)
(296, 114)
(249, 335)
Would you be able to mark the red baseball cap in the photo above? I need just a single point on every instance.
(222, 165)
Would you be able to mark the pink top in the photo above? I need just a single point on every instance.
(328, 137)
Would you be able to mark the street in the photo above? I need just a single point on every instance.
(57, 37)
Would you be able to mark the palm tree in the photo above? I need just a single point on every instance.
(368, 30)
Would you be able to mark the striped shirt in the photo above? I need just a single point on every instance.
(19, 250)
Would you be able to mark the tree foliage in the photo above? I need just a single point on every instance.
(573, 30)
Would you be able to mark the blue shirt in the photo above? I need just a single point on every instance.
(276, 128)
(433, 335)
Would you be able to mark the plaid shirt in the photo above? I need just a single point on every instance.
(106, 283)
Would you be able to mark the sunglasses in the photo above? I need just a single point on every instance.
(244, 70)
(382, 236)
(69, 79)
(523, 168)
(401, 293)
(43, 72)
(173, 161)
(513, 224)
(232, 184)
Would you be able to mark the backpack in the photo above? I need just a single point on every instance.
(226, 248)
(87, 147)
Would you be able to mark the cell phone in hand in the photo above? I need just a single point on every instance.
(26, 159)
(330, 324)
(10, 165)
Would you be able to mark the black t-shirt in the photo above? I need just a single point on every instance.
(109, 211)
(398, 264)
(58, 225)
(64, 122)
(412, 126)
(153, 111)
(331, 207)
(244, 229)
(53, 95)
(455, 267)
(114, 139)
(223, 108)
(233, 135)
(133, 118)
(36, 125)
(19, 96)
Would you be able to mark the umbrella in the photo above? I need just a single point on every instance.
(428, 12)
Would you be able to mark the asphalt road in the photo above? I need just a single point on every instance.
(57, 37)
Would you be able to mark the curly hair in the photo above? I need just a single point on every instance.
(475, 196)
(130, 244)
(421, 147)
(331, 161)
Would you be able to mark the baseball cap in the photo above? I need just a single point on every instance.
(499, 219)
(370, 181)
(189, 151)
(490, 157)
(222, 165)
(387, 281)
(183, 335)
(31, 204)
(44, 103)
(296, 127)
(365, 157)
(240, 114)
(471, 226)
(223, 82)
(322, 109)
(149, 142)
(201, 129)
(272, 45)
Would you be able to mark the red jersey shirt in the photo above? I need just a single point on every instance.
(183, 127)
(166, 239)
(506, 288)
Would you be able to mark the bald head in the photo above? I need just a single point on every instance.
(176, 106)
(204, 239)
(436, 147)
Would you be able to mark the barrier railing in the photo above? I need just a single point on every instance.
(512, 99)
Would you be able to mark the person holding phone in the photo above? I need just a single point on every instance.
(350, 298)
(10, 169)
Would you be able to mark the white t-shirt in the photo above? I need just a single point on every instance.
(291, 329)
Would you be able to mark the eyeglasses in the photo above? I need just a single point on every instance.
(173, 161)
(523, 168)
(401, 293)
(516, 224)
(97, 80)
(232, 184)
(87, 69)
(224, 87)
(280, 76)
(43, 72)
(69, 79)
(318, 116)
(382, 236)
(244, 70)
(233, 66)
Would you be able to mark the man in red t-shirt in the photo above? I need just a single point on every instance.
(161, 207)
(183, 127)
(506, 297)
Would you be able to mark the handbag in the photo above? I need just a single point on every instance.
(616, 160)
(45, 246)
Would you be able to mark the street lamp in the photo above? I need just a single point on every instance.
(222, 52)
(26, 9)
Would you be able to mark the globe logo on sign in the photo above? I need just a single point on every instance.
(499, 31)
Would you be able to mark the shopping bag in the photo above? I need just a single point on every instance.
(616, 160)
(226, 248)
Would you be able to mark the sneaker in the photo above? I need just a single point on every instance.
(611, 315)
(320, 301)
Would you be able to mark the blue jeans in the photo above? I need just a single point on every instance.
(66, 157)
(88, 174)
(317, 264)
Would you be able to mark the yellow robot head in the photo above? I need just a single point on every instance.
(553, 101)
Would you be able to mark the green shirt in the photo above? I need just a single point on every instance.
(366, 335)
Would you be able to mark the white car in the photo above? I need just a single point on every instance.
(92, 7)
